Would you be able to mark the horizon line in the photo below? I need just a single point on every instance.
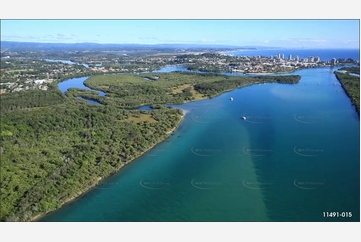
(195, 44)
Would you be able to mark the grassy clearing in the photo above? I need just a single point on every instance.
(180, 88)
(196, 95)
(138, 118)
(103, 87)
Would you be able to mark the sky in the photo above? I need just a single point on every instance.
(269, 33)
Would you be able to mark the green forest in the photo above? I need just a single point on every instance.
(55, 146)
(351, 84)
(132, 91)
(354, 70)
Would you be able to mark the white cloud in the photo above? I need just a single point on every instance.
(65, 37)
(312, 40)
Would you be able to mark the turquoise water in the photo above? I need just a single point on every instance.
(295, 156)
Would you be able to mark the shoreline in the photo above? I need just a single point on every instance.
(180, 121)
(100, 179)
(351, 98)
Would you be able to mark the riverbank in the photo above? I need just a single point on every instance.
(184, 112)
(100, 179)
(351, 85)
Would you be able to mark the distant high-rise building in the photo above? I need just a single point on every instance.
(290, 57)
(311, 59)
(279, 56)
(297, 58)
(317, 59)
(333, 61)
(283, 56)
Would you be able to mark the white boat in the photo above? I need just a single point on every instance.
(244, 118)
(231, 98)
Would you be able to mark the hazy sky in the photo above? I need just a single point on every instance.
(276, 33)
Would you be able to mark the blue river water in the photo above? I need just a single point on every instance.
(295, 157)
(67, 62)
(77, 83)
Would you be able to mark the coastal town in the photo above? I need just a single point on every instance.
(29, 70)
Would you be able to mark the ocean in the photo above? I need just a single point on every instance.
(324, 54)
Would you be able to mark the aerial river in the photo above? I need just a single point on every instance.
(277, 152)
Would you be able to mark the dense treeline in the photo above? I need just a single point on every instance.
(50, 155)
(214, 88)
(351, 85)
(131, 91)
(355, 70)
(30, 99)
